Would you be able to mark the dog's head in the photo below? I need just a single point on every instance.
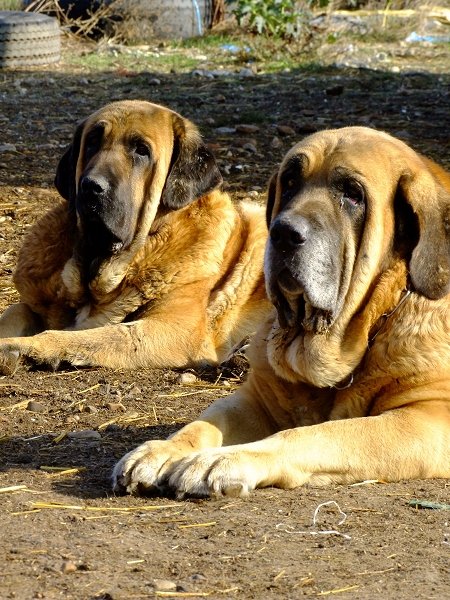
(343, 205)
(128, 160)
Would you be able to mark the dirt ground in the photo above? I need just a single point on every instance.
(64, 534)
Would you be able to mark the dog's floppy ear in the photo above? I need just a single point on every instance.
(271, 196)
(193, 171)
(65, 176)
(429, 197)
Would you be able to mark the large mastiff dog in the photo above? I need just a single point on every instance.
(147, 264)
(350, 375)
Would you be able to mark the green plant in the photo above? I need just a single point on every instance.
(279, 18)
(11, 4)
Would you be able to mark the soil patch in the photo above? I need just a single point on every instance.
(64, 533)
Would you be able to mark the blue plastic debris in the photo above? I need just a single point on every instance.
(433, 39)
(234, 49)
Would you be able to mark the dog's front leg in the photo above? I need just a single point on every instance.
(151, 343)
(406, 443)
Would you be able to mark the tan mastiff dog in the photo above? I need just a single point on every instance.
(350, 375)
(147, 264)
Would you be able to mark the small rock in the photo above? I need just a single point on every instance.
(246, 73)
(68, 567)
(164, 585)
(154, 81)
(220, 73)
(7, 148)
(113, 428)
(135, 391)
(210, 120)
(186, 378)
(305, 128)
(247, 128)
(84, 434)
(89, 408)
(336, 90)
(221, 98)
(69, 420)
(115, 407)
(276, 143)
(3, 419)
(250, 148)
(198, 577)
(285, 130)
(240, 142)
(225, 130)
(34, 406)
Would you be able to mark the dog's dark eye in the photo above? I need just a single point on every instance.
(353, 193)
(142, 150)
(93, 141)
(289, 187)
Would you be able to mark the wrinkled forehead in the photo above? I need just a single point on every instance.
(358, 150)
(128, 119)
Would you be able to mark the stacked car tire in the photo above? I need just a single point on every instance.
(28, 39)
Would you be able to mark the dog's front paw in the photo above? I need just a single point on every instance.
(216, 472)
(147, 468)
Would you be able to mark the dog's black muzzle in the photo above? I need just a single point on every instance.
(301, 269)
(100, 216)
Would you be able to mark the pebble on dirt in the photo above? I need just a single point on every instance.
(336, 90)
(285, 130)
(276, 143)
(115, 407)
(68, 567)
(186, 378)
(164, 585)
(36, 407)
(306, 128)
(243, 128)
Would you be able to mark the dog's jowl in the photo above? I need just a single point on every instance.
(350, 375)
(145, 263)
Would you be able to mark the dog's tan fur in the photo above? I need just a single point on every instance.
(183, 291)
(365, 396)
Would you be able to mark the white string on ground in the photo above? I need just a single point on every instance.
(290, 529)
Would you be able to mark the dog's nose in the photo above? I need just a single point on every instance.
(93, 186)
(287, 235)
